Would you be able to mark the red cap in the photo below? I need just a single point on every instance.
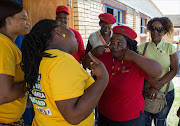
(124, 30)
(62, 8)
(108, 18)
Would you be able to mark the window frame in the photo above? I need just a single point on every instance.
(143, 26)
(117, 16)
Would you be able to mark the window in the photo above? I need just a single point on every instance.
(143, 25)
(118, 14)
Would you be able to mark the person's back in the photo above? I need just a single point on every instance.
(48, 89)
(61, 91)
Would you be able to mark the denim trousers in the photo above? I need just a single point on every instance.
(160, 118)
(140, 121)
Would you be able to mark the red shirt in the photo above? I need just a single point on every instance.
(122, 99)
(81, 51)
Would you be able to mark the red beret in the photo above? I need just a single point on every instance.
(108, 18)
(62, 8)
(127, 31)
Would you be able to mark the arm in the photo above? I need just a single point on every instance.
(9, 91)
(88, 47)
(158, 84)
(151, 67)
(77, 109)
(99, 50)
(81, 50)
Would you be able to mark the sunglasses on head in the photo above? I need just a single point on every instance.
(159, 29)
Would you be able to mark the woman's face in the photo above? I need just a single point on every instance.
(105, 28)
(118, 42)
(20, 23)
(157, 31)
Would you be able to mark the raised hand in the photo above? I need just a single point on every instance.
(98, 67)
(99, 50)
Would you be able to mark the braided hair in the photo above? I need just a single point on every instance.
(33, 47)
(165, 21)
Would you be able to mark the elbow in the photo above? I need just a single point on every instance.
(157, 73)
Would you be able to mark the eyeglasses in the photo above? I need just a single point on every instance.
(159, 29)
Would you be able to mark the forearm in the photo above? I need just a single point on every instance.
(168, 77)
(151, 67)
(16, 91)
(90, 98)
(78, 109)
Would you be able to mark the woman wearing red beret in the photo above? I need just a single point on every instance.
(122, 103)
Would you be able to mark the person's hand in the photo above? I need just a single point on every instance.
(97, 67)
(178, 112)
(151, 93)
(128, 54)
(156, 84)
(99, 50)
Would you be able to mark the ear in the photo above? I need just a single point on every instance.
(165, 32)
(8, 20)
(58, 31)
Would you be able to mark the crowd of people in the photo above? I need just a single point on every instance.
(48, 71)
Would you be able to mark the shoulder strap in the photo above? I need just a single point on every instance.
(102, 40)
(145, 47)
(167, 88)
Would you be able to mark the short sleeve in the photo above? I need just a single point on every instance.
(7, 60)
(68, 80)
(81, 50)
(172, 49)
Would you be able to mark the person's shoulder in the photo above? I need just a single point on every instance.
(142, 44)
(74, 31)
(93, 33)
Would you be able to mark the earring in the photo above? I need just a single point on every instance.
(63, 35)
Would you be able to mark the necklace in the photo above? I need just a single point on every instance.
(114, 72)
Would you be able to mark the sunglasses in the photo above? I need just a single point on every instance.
(159, 29)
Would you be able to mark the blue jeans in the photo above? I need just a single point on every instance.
(160, 118)
(103, 121)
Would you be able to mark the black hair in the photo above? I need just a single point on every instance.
(8, 8)
(165, 21)
(33, 47)
(132, 44)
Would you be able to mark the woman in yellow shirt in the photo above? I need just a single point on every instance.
(62, 92)
(13, 22)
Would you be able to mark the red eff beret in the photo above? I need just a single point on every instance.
(127, 31)
(62, 8)
(108, 18)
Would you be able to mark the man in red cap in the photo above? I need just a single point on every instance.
(62, 13)
(102, 36)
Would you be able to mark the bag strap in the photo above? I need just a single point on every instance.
(145, 47)
(167, 88)
(102, 40)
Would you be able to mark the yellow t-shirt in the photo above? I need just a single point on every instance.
(59, 78)
(10, 58)
(160, 53)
